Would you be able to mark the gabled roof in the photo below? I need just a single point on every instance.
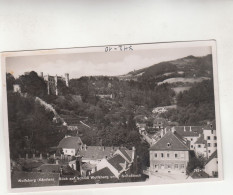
(170, 142)
(201, 140)
(117, 161)
(124, 152)
(188, 131)
(212, 156)
(70, 143)
(97, 152)
(52, 168)
(103, 172)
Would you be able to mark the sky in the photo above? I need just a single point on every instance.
(99, 63)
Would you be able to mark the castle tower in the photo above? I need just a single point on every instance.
(67, 79)
(48, 85)
(56, 90)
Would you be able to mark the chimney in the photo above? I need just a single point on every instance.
(27, 156)
(57, 162)
(190, 128)
(54, 156)
(103, 148)
(184, 128)
(33, 155)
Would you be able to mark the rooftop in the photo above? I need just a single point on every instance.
(103, 172)
(117, 161)
(70, 143)
(214, 155)
(187, 131)
(53, 168)
(201, 140)
(170, 142)
(97, 152)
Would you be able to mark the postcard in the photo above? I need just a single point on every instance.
(105, 116)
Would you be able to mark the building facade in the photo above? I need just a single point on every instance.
(53, 82)
(169, 154)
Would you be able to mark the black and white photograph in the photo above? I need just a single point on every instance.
(140, 114)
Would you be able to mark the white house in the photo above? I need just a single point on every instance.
(211, 138)
(70, 145)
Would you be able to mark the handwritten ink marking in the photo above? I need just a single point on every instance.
(119, 48)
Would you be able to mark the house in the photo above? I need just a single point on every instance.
(169, 154)
(94, 154)
(70, 145)
(159, 123)
(211, 138)
(119, 162)
(141, 127)
(190, 133)
(211, 165)
(200, 147)
(116, 164)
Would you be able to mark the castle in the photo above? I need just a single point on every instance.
(53, 81)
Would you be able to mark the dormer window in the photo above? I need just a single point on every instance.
(168, 144)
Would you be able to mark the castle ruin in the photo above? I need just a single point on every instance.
(53, 81)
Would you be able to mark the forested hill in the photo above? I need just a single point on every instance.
(185, 67)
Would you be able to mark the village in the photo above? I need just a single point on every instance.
(175, 152)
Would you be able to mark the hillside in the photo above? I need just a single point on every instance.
(187, 67)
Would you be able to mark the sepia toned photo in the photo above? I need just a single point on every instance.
(142, 114)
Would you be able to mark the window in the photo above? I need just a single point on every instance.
(162, 155)
(191, 146)
(191, 139)
(199, 146)
(215, 137)
(215, 145)
(167, 155)
(176, 155)
(155, 155)
(209, 151)
(209, 144)
(168, 144)
(182, 166)
(208, 137)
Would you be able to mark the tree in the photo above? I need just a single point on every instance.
(195, 162)
(10, 81)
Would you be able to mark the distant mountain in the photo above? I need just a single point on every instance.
(188, 67)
